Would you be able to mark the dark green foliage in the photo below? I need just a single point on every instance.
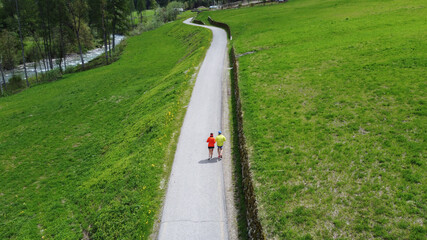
(15, 82)
(140, 5)
(168, 13)
(51, 76)
(9, 44)
(118, 10)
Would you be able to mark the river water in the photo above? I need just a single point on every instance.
(71, 60)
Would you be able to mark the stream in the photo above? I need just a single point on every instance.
(71, 60)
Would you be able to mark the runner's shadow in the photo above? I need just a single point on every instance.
(213, 160)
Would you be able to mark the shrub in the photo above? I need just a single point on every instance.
(172, 10)
(70, 70)
(169, 13)
(15, 82)
(51, 76)
(8, 48)
(161, 15)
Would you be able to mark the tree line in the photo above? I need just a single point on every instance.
(51, 29)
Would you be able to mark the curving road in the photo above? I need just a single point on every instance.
(195, 206)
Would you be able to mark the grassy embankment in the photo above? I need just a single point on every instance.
(334, 101)
(99, 61)
(89, 154)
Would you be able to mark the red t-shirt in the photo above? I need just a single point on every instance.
(211, 142)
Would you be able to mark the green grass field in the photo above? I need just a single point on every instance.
(149, 13)
(89, 154)
(334, 100)
(147, 16)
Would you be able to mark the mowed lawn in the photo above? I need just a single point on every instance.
(334, 101)
(88, 155)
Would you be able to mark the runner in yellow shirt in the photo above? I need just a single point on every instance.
(220, 139)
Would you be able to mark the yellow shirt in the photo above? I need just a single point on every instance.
(220, 139)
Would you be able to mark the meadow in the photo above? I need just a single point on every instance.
(147, 16)
(88, 156)
(334, 102)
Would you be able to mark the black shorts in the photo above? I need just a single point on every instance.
(211, 147)
(219, 147)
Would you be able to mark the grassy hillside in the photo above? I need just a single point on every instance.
(88, 155)
(334, 100)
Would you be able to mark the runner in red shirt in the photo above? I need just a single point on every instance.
(211, 145)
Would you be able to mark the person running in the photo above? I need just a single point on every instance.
(220, 139)
(211, 145)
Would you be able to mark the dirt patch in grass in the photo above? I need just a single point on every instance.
(90, 160)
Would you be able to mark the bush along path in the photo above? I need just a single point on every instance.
(195, 201)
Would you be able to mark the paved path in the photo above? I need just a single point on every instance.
(195, 200)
